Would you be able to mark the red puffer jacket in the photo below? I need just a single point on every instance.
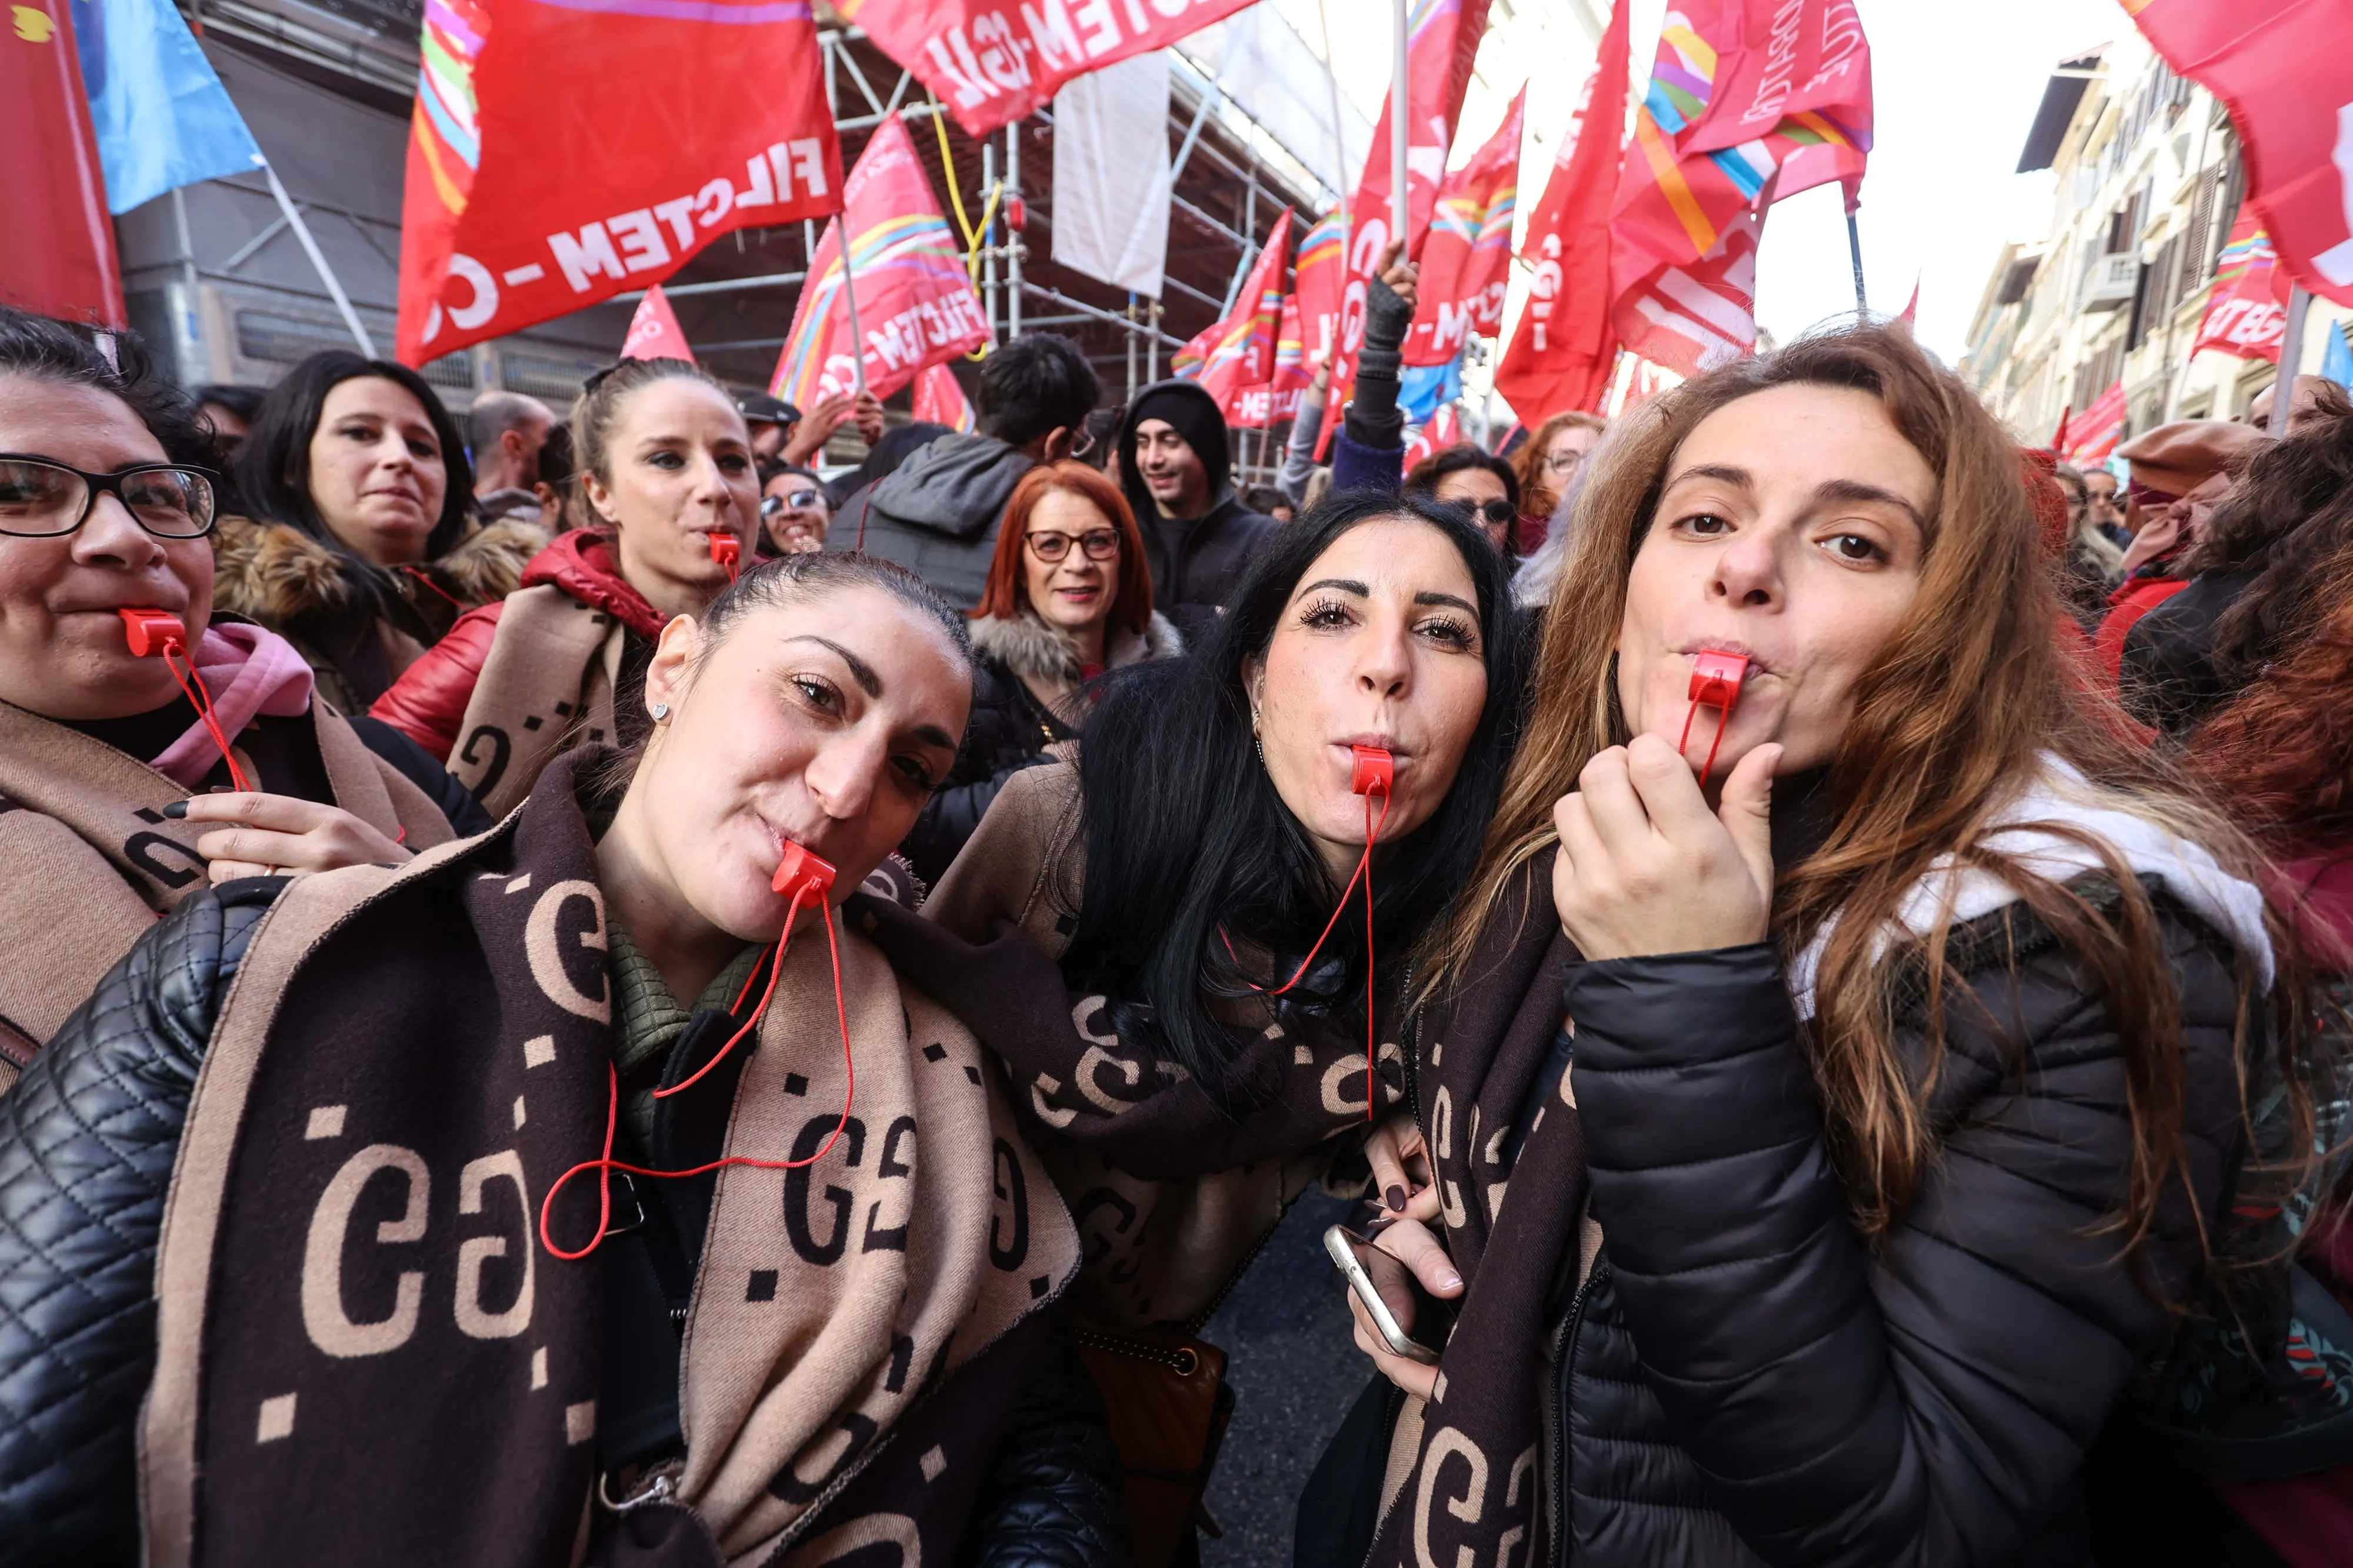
(428, 703)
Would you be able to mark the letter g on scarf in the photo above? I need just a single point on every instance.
(1466, 1507)
(331, 1327)
(547, 958)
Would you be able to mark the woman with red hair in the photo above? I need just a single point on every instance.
(1067, 598)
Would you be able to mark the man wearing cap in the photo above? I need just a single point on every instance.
(780, 434)
(1175, 466)
(2178, 472)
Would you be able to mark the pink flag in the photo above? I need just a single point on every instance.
(2244, 315)
(654, 331)
(915, 301)
(1910, 314)
(940, 400)
(1695, 316)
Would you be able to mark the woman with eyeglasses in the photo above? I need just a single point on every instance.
(666, 475)
(1547, 463)
(1482, 484)
(794, 510)
(357, 542)
(1067, 598)
(106, 821)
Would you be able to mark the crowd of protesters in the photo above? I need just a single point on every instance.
(593, 987)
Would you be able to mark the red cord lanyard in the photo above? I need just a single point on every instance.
(1715, 683)
(158, 634)
(726, 550)
(804, 875)
(454, 603)
(1376, 772)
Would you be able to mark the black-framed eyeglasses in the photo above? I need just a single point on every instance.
(793, 500)
(41, 498)
(1099, 544)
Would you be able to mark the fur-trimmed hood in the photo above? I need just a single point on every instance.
(1040, 656)
(278, 574)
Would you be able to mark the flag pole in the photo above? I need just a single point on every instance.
(1339, 143)
(1854, 250)
(293, 216)
(849, 298)
(1399, 109)
(2291, 360)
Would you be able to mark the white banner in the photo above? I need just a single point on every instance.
(1111, 173)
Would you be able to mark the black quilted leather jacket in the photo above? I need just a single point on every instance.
(1740, 1380)
(88, 1139)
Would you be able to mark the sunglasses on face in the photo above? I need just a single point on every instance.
(1100, 544)
(41, 498)
(793, 500)
(1495, 514)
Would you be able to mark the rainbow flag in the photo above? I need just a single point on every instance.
(1240, 351)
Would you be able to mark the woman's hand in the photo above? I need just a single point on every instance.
(1404, 1253)
(265, 835)
(1400, 1163)
(1645, 868)
(1401, 276)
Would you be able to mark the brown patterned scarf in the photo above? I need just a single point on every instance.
(368, 1355)
(88, 860)
(1172, 1191)
(546, 686)
(1462, 1483)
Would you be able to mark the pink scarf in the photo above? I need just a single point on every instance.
(248, 671)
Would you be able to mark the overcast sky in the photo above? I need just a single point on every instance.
(1956, 89)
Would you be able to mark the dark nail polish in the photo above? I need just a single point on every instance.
(1395, 1198)
(177, 810)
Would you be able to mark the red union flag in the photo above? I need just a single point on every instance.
(1321, 280)
(915, 301)
(2097, 430)
(654, 331)
(2244, 316)
(1563, 355)
(1277, 399)
(1238, 352)
(2279, 65)
(940, 400)
(1695, 316)
(536, 187)
(1455, 271)
(61, 262)
(993, 61)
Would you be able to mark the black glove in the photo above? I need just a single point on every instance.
(1373, 419)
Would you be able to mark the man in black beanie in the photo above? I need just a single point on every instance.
(1175, 467)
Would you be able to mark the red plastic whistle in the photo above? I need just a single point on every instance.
(1376, 771)
(726, 550)
(150, 632)
(1716, 678)
(803, 872)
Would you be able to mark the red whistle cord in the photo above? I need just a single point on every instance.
(1365, 870)
(605, 1165)
(201, 698)
(1723, 722)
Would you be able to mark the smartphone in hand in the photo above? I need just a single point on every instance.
(1341, 1243)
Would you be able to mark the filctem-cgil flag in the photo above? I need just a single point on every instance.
(535, 188)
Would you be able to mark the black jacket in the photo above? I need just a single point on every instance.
(2169, 680)
(1011, 726)
(1741, 1378)
(1197, 562)
(87, 1141)
(937, 514)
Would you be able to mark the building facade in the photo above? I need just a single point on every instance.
(2148, 180)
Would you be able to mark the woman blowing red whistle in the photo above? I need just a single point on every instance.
(1185, 1007)
(755, 1360)
(1842, 1073)
(109, 755)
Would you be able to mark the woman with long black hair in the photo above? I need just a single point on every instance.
(1191, 885)
(358, 546)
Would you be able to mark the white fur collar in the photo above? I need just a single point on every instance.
(1035, 651)
(2232, 906)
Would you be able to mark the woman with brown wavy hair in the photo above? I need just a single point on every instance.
(1855, 1018)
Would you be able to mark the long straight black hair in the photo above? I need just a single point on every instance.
(1188, 841)
(273, 465)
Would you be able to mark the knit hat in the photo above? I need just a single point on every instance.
(1195, 417)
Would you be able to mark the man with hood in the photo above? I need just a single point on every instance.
(937, 514)
(1198, 535)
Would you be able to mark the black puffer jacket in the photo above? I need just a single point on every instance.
(2170, 680)
(1741, 1378)
(1012, 723)
(87, 1141)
